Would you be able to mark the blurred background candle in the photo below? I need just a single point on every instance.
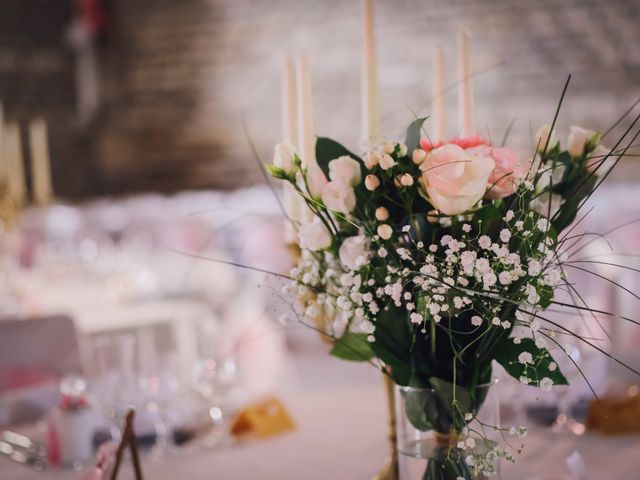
(439, 104)
(465, 88)
(40, 166)
(370, 95)
(14, 161)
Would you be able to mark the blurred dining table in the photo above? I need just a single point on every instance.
(340, 414)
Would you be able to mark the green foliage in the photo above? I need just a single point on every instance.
(412, 139)
(393, 343)
(506, 354)
(327, 150)
(353, 346)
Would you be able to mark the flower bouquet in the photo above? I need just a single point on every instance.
(433, 260)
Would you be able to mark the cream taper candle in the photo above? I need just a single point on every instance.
(439, 104)
(289, 113)
(369, 80)
(40, 164)
(14, 162)
(465, 87)
(306, 133)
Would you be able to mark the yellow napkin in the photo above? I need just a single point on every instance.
(262, 419)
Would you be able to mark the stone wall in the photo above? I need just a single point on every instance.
(180, 77)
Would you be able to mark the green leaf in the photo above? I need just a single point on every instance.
(327, 150)
(393, 343)
(506, 354)
(353, 346)
(412, 140)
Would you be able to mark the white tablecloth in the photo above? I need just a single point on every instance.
(340, 413)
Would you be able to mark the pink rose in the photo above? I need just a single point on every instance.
(455, 179)
(508, 170)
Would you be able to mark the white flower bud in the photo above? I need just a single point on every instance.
(385, 231)
(388, 147)
(371, 159)
(406, 180)
(418, 156)
(371, 182)
(386, 162)
(382, 214)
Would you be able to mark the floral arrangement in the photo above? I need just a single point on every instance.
(434, 259)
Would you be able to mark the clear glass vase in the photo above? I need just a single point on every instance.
(431, 425)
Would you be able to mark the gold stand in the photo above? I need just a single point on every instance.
(390, 470)
(8, 207)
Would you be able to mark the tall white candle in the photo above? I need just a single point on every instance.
(306, 128)
(439, 104)
(289, 113)
(369, 79)
(13, 148)
(292, 202)
(465, 87)
(40, 163)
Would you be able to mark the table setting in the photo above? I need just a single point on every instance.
(436, 304)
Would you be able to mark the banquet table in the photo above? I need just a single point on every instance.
(340, 416)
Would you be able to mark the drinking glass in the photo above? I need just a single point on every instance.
(159, 386)
(215, 372)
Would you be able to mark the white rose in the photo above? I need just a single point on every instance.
(316, 180)
(578, 138)
(339, 197)
(314, 235)
(346, 169)
(454, 179)
(284, 157)
(371, 182)
(354, 252)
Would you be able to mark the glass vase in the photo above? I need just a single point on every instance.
(431, 427)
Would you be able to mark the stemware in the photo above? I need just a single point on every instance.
(159, 386)
(115, 386)
(215, 372)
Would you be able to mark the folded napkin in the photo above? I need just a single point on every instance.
(263, 419)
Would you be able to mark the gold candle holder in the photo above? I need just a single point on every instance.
(390, 469)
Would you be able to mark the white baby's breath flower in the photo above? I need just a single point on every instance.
(525, 358)
(484, 241)
(525, 380)
(466, 228)
(468, 417)
(509, 215)
(505, 235)
(553, 366)
(546, 383)
(416, 318)
(495, 321)
(382, 252)
(476, 321)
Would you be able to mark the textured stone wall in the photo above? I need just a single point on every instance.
(179, 77)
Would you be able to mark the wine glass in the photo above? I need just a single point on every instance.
(159, 386)
(115, 386)
(215, 372)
